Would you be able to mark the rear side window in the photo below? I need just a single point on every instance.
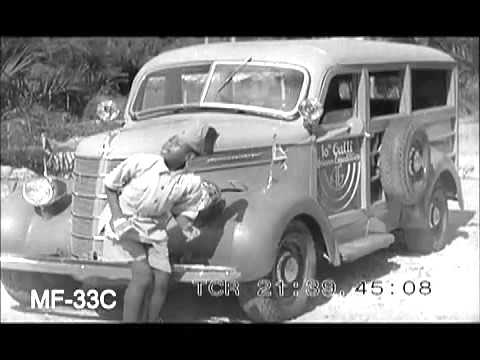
(429, 88)
(385, 92)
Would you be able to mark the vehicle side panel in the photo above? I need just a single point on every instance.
(253, 222)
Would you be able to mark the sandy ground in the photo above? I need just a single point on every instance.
(453, 273)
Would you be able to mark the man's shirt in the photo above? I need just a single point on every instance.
(149, 189)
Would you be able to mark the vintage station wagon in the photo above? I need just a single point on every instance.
(326, 148)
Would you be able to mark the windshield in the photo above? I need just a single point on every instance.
(174, 86)
(240, 85)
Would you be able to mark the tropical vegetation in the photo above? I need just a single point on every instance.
(52, 85)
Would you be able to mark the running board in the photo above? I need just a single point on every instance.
(357, 248)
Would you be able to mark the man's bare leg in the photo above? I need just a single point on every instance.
(135, 293)
(146, 303)
(159, 294)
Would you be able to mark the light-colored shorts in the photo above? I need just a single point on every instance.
(129, 248)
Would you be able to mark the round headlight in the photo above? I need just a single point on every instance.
(38, 192)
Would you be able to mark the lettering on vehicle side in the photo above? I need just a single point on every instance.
(235, 157)
(338, 167)
(229, 158)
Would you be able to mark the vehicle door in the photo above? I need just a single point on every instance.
(342, 152)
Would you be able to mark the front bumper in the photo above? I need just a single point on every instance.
(86, 270)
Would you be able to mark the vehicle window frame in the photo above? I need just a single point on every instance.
(446, 66)
(401, 99)
(405, 98)
(325, 84)
(287, 114)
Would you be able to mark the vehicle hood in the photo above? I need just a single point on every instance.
(236, 131)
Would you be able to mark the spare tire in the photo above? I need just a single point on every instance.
(405, 161)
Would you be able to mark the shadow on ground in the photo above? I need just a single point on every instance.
(183, 305)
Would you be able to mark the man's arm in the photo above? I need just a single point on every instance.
(188, 229)
(114, 203)
(113, 183)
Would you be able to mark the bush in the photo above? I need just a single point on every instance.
(24, 129)
(31, 158)
(80, 129)
(21, 141)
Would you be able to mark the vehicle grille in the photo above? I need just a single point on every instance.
(89, 200)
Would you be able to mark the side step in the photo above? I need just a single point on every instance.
(357, 248)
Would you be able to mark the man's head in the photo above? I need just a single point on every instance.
(195, 141)
(177, 152)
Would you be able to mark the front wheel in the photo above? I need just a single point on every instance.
(281, 295)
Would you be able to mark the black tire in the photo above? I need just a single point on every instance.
(433, 236)
(296, 241)
(405, 161)
(19, 284)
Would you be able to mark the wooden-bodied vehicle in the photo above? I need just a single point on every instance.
(326, 147)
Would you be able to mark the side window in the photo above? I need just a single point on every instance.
(385, 92)
(429, 88)
(340, 100)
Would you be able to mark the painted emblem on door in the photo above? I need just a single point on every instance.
(339, 174)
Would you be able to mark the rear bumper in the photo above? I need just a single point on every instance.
(86, 270)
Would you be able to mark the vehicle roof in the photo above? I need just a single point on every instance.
(310, 53)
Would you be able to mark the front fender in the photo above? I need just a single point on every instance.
(257, 235)
(27, 232)
(16, 217)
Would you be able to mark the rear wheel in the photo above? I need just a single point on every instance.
(281, 295)
(433, 236)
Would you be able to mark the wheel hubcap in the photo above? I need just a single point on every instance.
(416, 162)
(291, 269)
(287, 267)
(435, 216)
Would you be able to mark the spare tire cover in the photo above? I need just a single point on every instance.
(405, 161)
